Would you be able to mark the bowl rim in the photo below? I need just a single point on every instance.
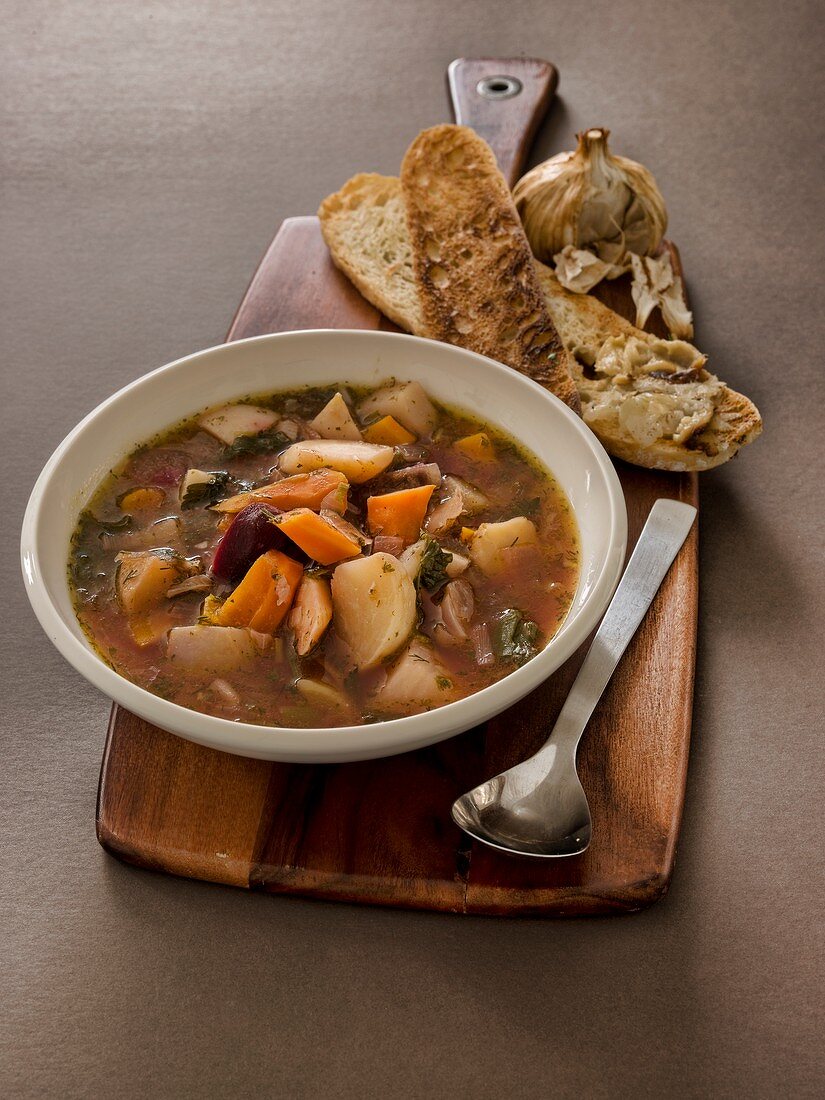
(322, 744)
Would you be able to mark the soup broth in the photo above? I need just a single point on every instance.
(324, 557)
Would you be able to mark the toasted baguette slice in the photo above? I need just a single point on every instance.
(636, 415)
(364, 227)
(473, 265)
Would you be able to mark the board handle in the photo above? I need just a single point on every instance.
(504, 100)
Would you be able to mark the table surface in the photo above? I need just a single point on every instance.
(151, 151)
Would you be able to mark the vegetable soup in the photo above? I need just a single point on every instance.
(324, 557)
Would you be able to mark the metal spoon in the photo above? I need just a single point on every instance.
(538, 807)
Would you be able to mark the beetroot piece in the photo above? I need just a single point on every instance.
(253, 531)
(164, 467)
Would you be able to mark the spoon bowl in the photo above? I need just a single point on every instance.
(518, 811)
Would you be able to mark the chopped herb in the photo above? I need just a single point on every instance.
(443, 683)
(521, 507)
(517, 636)
(432, 573)
(263, 443)
(388, 567)
(105, 526)
(204, 493)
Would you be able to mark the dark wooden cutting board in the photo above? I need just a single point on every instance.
(380, 832)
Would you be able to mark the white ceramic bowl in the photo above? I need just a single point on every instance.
(288, 360)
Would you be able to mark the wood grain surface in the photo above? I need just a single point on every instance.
(380, 832)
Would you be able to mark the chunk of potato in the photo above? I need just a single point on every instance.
(373, 603)
(411, 558)
(210, 650)
(490, 539)
(407, 402)
(144, 577)
(417, 681)
(358, 461)
(325, 696)
(228, 423)
(335, 421)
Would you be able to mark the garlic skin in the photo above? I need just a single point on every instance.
(591, 199)
(656, 284)
(579, 270)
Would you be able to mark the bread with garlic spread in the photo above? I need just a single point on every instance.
(651, 402)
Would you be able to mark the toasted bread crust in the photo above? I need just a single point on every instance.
(364, 222)
(477, 285)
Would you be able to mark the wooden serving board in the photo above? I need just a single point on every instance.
(380, 832)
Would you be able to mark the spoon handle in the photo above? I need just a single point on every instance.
(664, 532)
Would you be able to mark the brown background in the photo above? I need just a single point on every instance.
(151, 150)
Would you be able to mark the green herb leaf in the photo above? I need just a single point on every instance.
(205, 492)
(432, 574)
(517, 636)
(267, 442)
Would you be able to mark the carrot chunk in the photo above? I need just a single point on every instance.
(264, 596)
(142, 500)
(477, 447)
(300, 491)
(388, 431)
(317, 537)
(400, 514)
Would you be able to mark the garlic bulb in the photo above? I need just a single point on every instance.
(591, 199)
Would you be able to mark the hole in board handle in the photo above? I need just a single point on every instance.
(498, 87)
